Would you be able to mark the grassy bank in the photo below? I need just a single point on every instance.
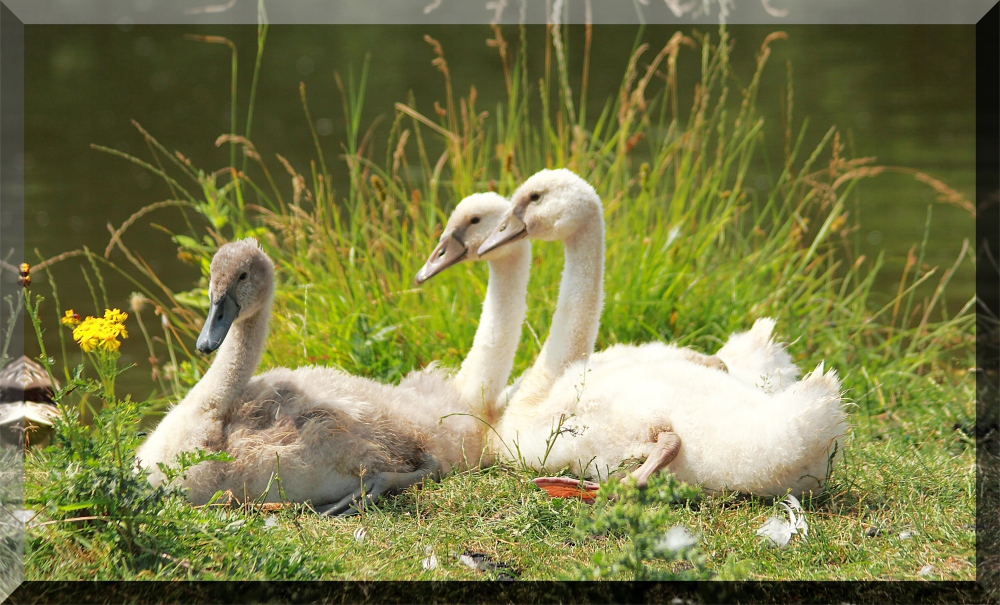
(694, 252)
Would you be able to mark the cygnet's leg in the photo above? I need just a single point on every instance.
(381, 484)
(710, 361)
(668, 444)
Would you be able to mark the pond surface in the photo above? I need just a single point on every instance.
(904, 94)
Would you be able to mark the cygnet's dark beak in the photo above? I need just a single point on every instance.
(450, 251)
(510, 230)
(220, 319)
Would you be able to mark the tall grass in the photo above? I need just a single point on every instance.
(694, 251)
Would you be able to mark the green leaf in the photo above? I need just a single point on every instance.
(84, 504)
(198, 297)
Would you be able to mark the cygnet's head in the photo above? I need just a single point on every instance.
(241, 283)
(469, 225)
(551, 205)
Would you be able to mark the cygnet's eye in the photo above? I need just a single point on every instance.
(474, 220)
(534, 197)
(243, 276)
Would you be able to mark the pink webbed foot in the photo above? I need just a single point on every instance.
(567, 487)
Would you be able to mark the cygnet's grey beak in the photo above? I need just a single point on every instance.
(450, 251)
(510, 230)
(220, 319)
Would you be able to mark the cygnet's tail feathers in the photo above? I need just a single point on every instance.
(756, 358)
(820, 381)
(817, 397)
(803, 427)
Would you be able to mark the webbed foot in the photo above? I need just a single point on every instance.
(567, 487)
(668, 445)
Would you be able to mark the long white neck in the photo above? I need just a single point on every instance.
(578, 312)
(487, 367)
(234, 365)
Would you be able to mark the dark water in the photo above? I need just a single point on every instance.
(902, 94)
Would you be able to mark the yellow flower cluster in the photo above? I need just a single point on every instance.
(99, 332)
(71, 319)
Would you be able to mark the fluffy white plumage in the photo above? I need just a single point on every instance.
(734, 436)
(756, 358)
(752, 430)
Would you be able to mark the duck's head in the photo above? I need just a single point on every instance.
(469, 225)
(241, 284)
(551, 205)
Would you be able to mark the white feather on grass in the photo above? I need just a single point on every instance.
(677, 539)
(778, 531)
(431, 562)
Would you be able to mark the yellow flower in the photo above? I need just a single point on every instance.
(102, 332)
(115, 315)
(87, 334)
(71, 319)
(109, 343)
